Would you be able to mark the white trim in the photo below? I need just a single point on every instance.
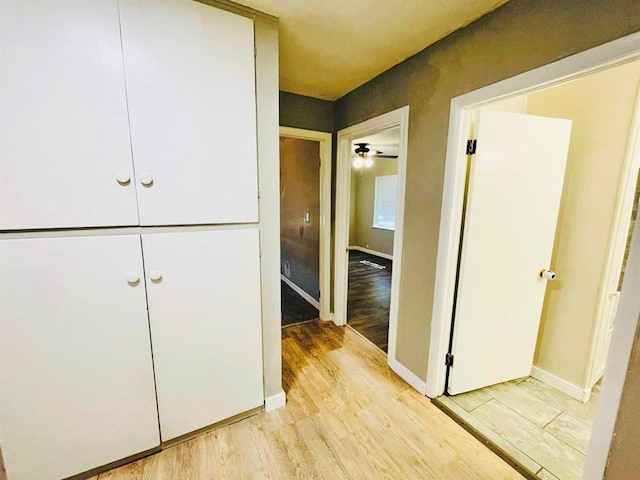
(325, 140)
(594, 59)
(616, 249)
(615, 372)
(395, 118)
(407, 375)
(301, 292)
(598, 375)
(275, 401)
(574, 391)
(371, 252)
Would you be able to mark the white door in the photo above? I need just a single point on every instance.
(191, 92)
(76, 377)
(64, 132)
(514, 192)
(206, 329)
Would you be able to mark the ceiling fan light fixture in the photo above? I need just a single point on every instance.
(363, 156)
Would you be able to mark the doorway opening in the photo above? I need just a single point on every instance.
(372, 221)
(543, 204)
(346, 188)
(305, 224)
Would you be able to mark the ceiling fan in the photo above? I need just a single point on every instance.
(364, 155)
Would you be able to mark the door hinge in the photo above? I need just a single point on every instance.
(448, 360)
(258, 193)
(471, 147)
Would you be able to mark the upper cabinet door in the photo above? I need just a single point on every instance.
(190, 80)
(65, 152)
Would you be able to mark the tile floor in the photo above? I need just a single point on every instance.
(543, 430)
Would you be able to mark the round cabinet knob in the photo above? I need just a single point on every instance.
(548, 274)
(123, 177)
(133, 278)
(155, 275)
(146, 179)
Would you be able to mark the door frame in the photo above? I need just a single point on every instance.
(617, 245)
(325, 140)
(462, 107)
(396, 118)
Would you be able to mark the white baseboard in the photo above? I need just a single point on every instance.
(301, 292)
(275, 401)
(582, 394)
(407, 375)
(372, 252)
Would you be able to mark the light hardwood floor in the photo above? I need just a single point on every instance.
(544, 430)
(347, 416)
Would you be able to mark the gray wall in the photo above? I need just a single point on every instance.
(520, 36)
(266, 33)
(308, 113)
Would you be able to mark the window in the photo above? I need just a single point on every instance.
(384, 203)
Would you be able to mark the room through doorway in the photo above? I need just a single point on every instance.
(528, 348)
(374, 181)
(304, 226)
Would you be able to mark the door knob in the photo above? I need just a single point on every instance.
(155, 275)
(548, 274)
(133, 278)
(146, 179)
(123, 177)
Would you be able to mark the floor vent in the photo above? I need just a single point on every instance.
(371, 264)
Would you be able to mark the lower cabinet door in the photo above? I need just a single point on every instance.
(76, 376)
(204, 309)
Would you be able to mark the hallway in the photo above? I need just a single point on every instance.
(347, 416)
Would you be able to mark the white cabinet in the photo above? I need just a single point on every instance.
(121, 113)
(76, 377)
(67, 125)
(191, 93)
(64, 134)
(204, 310)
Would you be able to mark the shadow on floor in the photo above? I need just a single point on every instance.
(295, 309)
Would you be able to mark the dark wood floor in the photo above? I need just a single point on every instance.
(369, 297)
(295, 309)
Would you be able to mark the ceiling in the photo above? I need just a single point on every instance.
(386, 142)
(330, 47)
